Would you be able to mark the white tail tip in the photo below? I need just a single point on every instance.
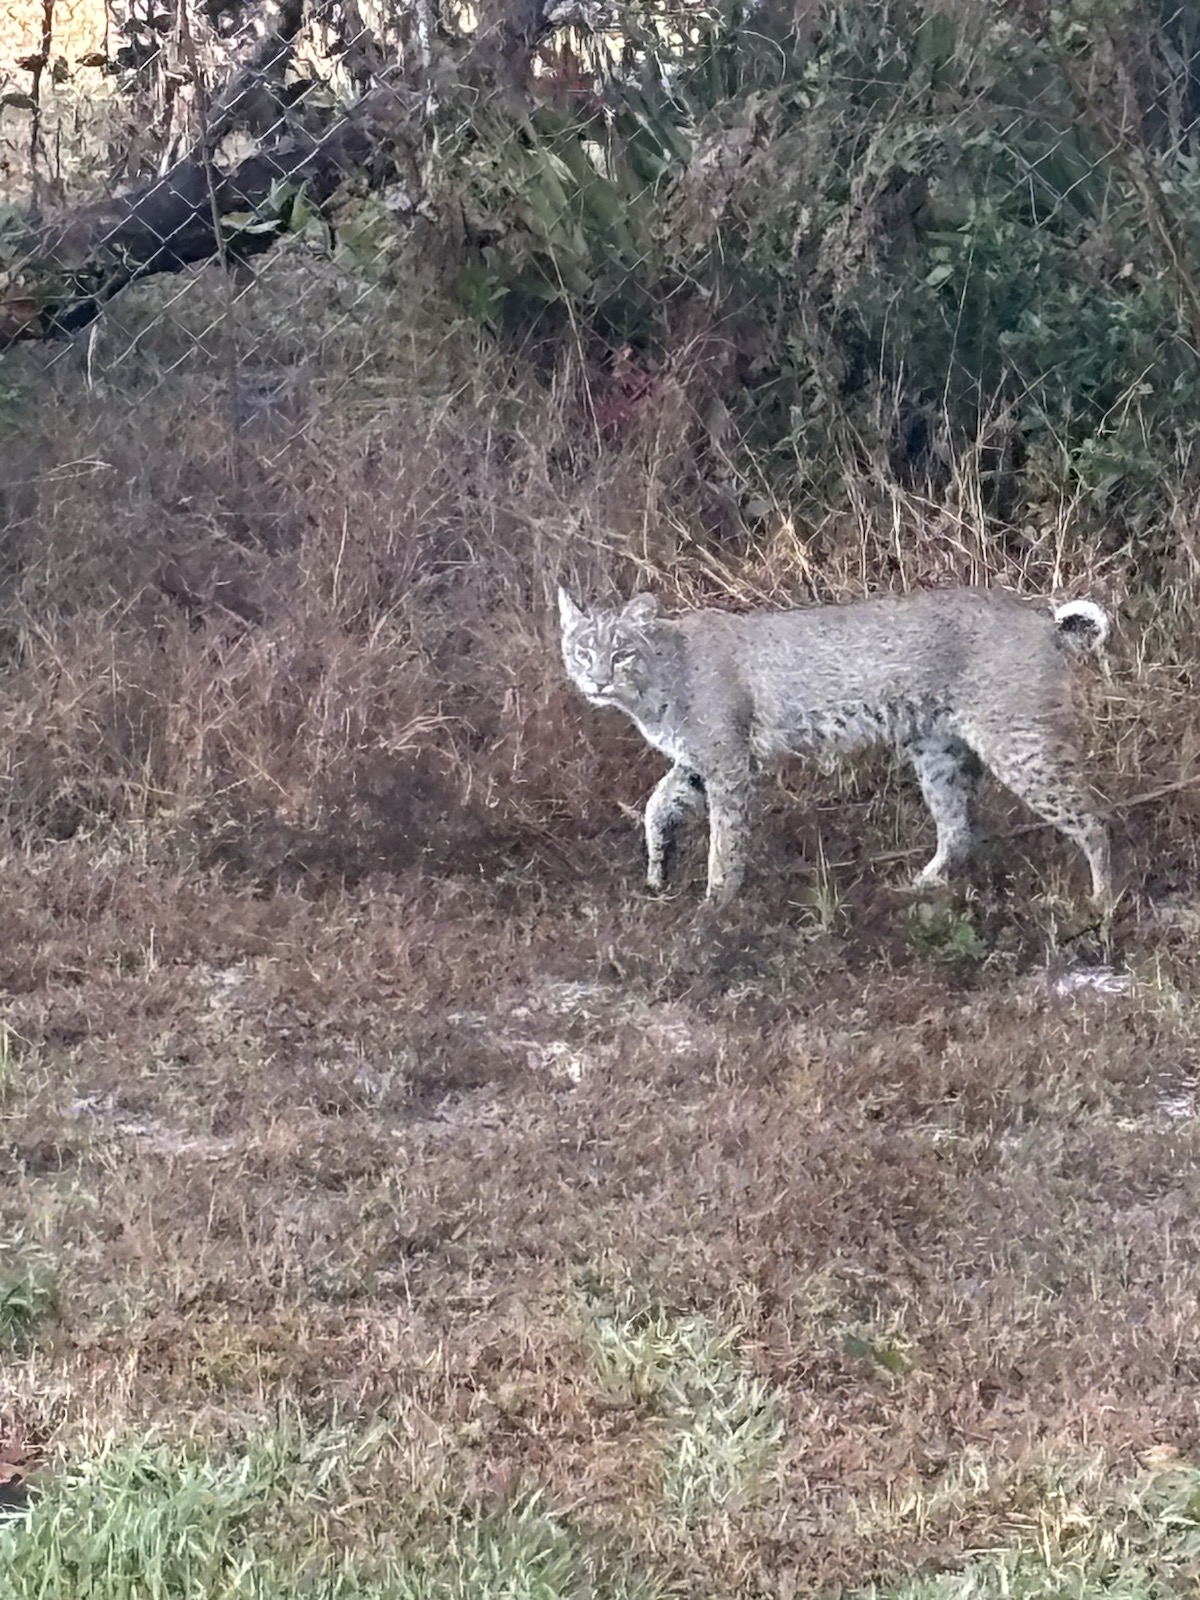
(1085, 622)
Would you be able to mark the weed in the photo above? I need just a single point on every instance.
(28, 1296)
(9, 1067)
(724, 1422)
(823, 899)
(881, 1354)
(945, 934)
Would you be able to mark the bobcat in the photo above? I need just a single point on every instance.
(953, 679)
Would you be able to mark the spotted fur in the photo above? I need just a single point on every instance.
(954, 680)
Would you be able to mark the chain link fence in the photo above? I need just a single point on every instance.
(155, 177)
(600, 160)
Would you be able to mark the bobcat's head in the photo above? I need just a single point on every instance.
(606, 652)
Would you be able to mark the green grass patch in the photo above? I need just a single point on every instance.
(947, 935)
(27, 1297)
(9, 1065)
(1147, 1547)
(291, 1511)
(724, 1422)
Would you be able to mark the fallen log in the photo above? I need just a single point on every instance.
(57, 276)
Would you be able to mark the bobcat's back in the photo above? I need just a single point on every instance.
(855, 674)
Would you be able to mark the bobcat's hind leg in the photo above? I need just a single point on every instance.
(948, 771)
(676, 797)
(1041, 766)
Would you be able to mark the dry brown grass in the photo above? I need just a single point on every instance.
(344, 1064)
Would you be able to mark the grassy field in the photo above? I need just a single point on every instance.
(398, 1202)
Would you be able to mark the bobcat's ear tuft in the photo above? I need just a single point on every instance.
(568, 612)
(642, 608)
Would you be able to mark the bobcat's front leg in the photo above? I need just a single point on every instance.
(729, 799)
(677, 796)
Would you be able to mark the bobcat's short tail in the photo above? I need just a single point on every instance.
(1083, 625)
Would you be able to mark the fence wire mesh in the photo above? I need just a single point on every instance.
(249, 184)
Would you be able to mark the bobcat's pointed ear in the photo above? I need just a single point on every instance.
(642, 608)
(569, 613)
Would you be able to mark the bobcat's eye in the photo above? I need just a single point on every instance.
(623, 658)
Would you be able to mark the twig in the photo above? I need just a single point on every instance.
(1032, 827)
(1157, 794)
